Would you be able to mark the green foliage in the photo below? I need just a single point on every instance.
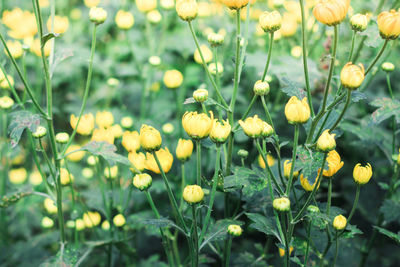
(22, 120)
(386, 108)
(264, 224)
(106, 151)
(250, 181)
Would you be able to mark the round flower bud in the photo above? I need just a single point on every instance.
(154, 16)
(334, 163)
(104, 119)
(197, 126)
(235, 230)
(220, 131)
(389, 24)
(312, 209)
(105, 225)
(6, 102)
(261, 88)
(142, 181)
(215, 39)
(40, 132)
(47, 222)
(66, 177)
(155, 61)
(79, 225)
(91, 160)
(97, 15)
(243, 153)
(267, 130)
(173, 79)
(193, 194)
(213, 69)
(6, 84)
(340, 222)
(270, 161)
(359, 22)
(200, 95)
(326, 142)
(150, 138)
(111, 173)
(87, 173)
(352, 76)
(362, 175)
(297, 111)
(235, 4)
(187, 9)
(281, 204)
(91, 3)
(388, 66)
(168, 128)
(270, 21)
(296, 51)
(126, 122)
(331, 12)
(70, 224)
(112, 82)
(287, 165)
(119, 220)
(124, 20)
(50, 206)
(252, 126)
(74, 153)
(184, 149)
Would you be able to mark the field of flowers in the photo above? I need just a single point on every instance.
(199, 133)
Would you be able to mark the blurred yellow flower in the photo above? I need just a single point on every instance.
(66, 177)
(104, 119)
(50, 206)
(86, 124)
(138, 160)
(270, 161)
(75, 156)
(146, 5)
(91, 219)
(164, 156)
(131, 141)
(35, 178)
(61, 24)
(287, 165)
(91, 3)
(207, 54)
(111, 172)
(35, 48)
(197, 126)
(184, 149)
(103, 135)
(116, 130)
(17, 176)
(22, 24)
(173, 79)
(124, 19)
(15, 48)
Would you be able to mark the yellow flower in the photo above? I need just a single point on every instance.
(167, 4)
(184, 149)
(164, 156)
(15, 48)
(287, 165)
(21, 23)
(150, 138)
(116, 130)
(97, 15)
(235, 4)
(270, 161)
(104, 119)
(91, 3)
(4, 83)
(352, 76)
(306, 184)
(331, 12)
(79, 224)
(212, 68)
(86, 124)
(154, 16)
(296, 51)
(119, 220)
(142, 181)
(235, 230)
(204, 9)
(334, 164)
(75, 156)
(103, 135)
(289, 26)
(173, 79)
(326, 142)
(340, 222)
(220, 131)
(127, 122)
(66, 177)
(261, 88)
(91, 219)
(17, 176)
(197, 126)
(267, 130)
(193, 194)
(281, 204)
(6, 102)
(297, 111)
(44, 3)
(388, 66)
(35, 178)
(359, 22)
(61, 24)
(168, 128)
(389, 24)
(62, 138)
(200, 95)
(146, 5)
(111, 172)
(282, 251)
(207, 55)
(35, 48)
(270, 21)
(47, 222)
(131, 141)
(361, 174)
(105, 225)
(138, 160)
(50, 206)
(252, 126)
(124, 20)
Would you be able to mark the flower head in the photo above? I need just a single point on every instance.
(281, 204)
(362, 175)
(173, 79)
(352, 76)
(287, 165)
(131, 141)
(270, 21)
(187, 9)
(150, 138)
(334, 163)
(184, 149)
(142, 181)
(86, 124)
(235, 230)
(326, 142)
(164, 156)
(220, 131)
(252, 126)
(193, 194)
(340, 222)
(389, 24)
(197, 126)
(297, 111)
(331, 12)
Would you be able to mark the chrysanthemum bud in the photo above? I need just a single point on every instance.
(111, 173)
(362, 175)
(340, 222)
(220, 131)
(154, 16)
(215, 39)
(124, 20)
(235, 230)
(126, 122)
(331, 12)
(168, 128)
(173, 79)
(267, 130)
(388, 67)
(261, 88)
(312, 209)
(352, 76)
(184, 149)
(359, 22)
(243, 153)
(389, 24)
(200, 95)
(270, 21)
(47, 222)
(6, 102)
(40, 132)
(142, 181)
(197, 126)
(287, 165)
(297, 111)
(187, 9)
(252, 126)
(326, 142)
(119, 220)
(97, 15)
(150, 138)
(213, 69)
(193, 194)
(235, 4)
(155, 61)
(281, 204)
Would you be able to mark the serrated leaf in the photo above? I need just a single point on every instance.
(292, 88)
(386, 108)
(247, 179)
(394, 236)
(309, 162)
(357, 96)
(106, 151)
(391, 210)
(263, 224)
(162, 222)
(189, 100)
(20, 121)
(351, 231)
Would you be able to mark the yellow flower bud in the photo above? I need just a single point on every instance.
(267, 130)
(362, 175)
(261, 88)
(252, 126)
(215, 39)
(104, 119)
(79, 225)
(50, 206)
(119, 220)
(127, 122)
(184, 149)
(173, 79)
(220, 131)
(359, 22)
(193, 194)
(200, 95)
(340, 222)
(352, 76)
(4, 84)
(154, 16)
(146, 5)
(155, 61)
(326, 142)
(287, 165)
(235, 230)
(111, 172)
(124, 20)
(389, 24)
(97, 15)
(306, 184)
(213, 69)
(187, 9)
(331, 12)
(105, 225)
(281, 204)
(150, 138)
(74, 156)
(387, 66)
(167, 4)
(17, 176)
(289, 26)
(207, 55)
(138, 160)
(6, 102)
(168, 128)
(61, 24)
(142, 181)
(87, 173)
(15, 48)
(66, 177)
(116, 130)
(164, 156)
(197, 126)
(47, 222)
(270, 161)
(35, 178)
(131, 141)
(296, 51)
(297, 111)
(86, 124)
(235, 4)
(62, 138)
(282, 251)
(334, 164)
(35, 48)
(270, 21)
(40, 132)
(91, 219)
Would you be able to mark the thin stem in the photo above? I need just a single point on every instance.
(328, 205)
(377, 57)
(295, 143)
(237, 64)
(393, 118)
(198, 155)
(195, 260)
(353, 209)
(308, 243)
(336, 250)
(253, 100)
(271, 43)
(353, 40)
(287, 249)
(267, 114)
(348, 100)
(228, 251)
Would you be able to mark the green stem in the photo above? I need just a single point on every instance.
(195, 260)
(295, 143)
(237, 64)
(389, 84)
(348, 100)
(353, 40)
(328, 205)
(336, 250)
(308, 243)
(228, 251)
(353, 209)
(253, 100)
(271, 42)
(267, 114)
(198, 156)
(377, 57)
(287, 247)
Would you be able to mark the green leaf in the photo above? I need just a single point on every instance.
(48, 37)
(391, 210)
(218, 231)
(292, 88)
(106, 151)
(20, 121)
(386, 108)
(394, 236)
(309, 162)
(373, 37)
(351, 231)
(263, 224)
(247, 179)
